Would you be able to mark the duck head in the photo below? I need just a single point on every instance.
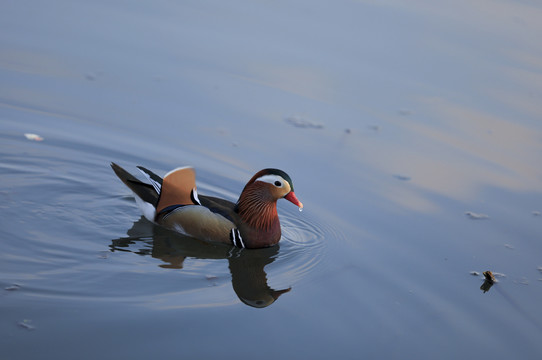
(257, 203)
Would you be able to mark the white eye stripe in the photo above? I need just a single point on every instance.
(276, 180)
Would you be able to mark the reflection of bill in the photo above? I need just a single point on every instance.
(249, 279)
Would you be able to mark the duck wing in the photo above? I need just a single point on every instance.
(178, 188)
(220, 206)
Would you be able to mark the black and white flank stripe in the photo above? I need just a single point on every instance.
(236, 238)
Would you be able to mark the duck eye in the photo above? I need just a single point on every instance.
(278, 183)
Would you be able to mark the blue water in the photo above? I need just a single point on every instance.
(394, 121)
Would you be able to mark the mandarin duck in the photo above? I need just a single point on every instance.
(173, 202)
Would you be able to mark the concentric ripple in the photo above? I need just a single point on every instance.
(302, 246)
(305, 239)
(86, 241)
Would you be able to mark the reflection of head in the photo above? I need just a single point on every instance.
(266, 298)
(249, 279)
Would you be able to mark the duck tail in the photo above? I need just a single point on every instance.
(146, 192)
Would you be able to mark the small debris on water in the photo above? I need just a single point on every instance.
(474, 273)
(212, 279)
(488, 275)
(402, 177)
(93, 76)
(488, 282)
(537, 213)
(13, 287)
(33, 137)
(508, 246)
(476, 216)
(347, 131)
(300, 122)
(26, 324)
(539, 268)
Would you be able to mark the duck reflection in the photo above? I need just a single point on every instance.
(249, 279)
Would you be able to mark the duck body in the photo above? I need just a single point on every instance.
(173, 202)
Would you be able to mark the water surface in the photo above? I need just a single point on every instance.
(411, 132)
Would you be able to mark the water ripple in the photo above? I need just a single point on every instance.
(302, 247)
(114, 255)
